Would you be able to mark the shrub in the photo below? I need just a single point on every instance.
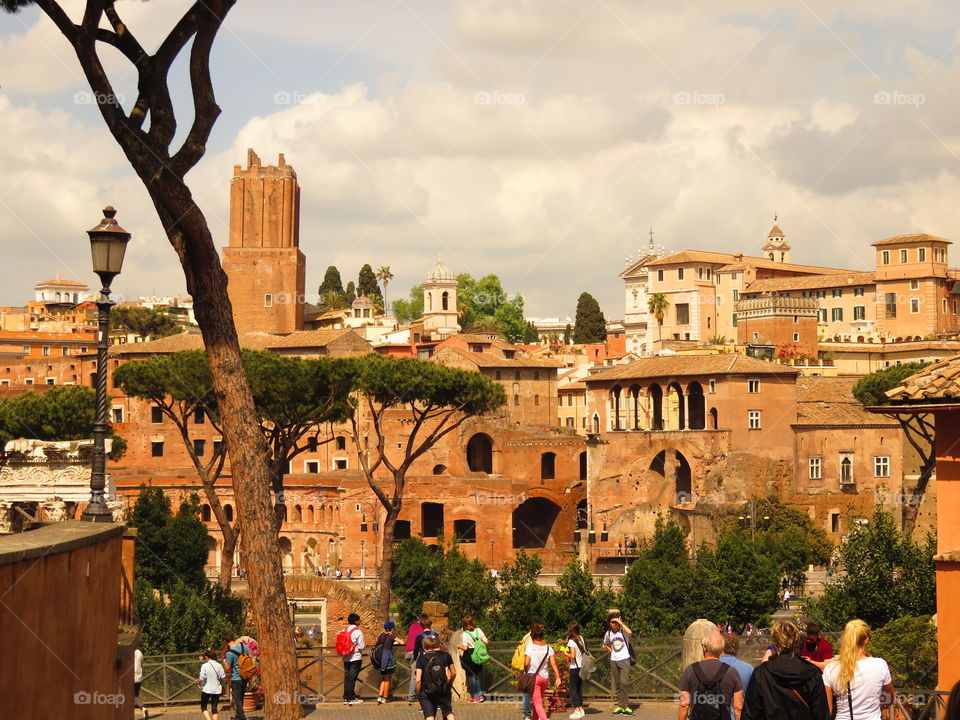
(909, 645)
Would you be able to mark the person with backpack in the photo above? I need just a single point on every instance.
(383, 660)
(517, 665)
(617, 642)
(709, 689)
(581, 666)
(413, 631)
(424, 634)
(239, 666)
(731, 646)
(536, 656)
(350, 645)
(434, 675)
(860, 683)
(473, 645)
(786, 687)
(210, 682)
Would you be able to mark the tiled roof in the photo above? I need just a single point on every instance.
(775, 231)
(686, 365)
(190, 341)
(730, 261)
(810, 282)
(309, 338)
(489, 360)
(57, 282)
(826, 389)
(839, 414)
(915, 238)
(937, 382)
(578, 385)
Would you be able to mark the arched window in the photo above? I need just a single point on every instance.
(310, 516)
(297, 513)
(714, 420)
(429, 301)
(439, 469)
(548, 463)
(696, 406)
(480, 453)
(228, 511)
(445, 300)
(205, 512)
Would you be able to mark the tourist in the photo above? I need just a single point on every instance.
(415, 629)
(210, 682)
(350, 645)
(231, 662)
(384, 660)
(517, 664)
(619, 549)
(786, 687)
(339, 574)
(576, 649)
(349, 573)
(536, 656)
(424, 634)
(786, 599)
(731, 646)
(434, 676)
(313, 634)
(617, 642)
(860, 684)
(710, 687)
(815, 648)
(138, 682)
(468, 642)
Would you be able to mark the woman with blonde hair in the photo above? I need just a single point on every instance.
(786, 687)
(860, 684)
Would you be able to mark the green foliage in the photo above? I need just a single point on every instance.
(521, 598)
(530, 334)
(181, 378)
(416, 567)
(872, 389)
(406, 311)
(145, 322)
(657, 305)
(63, 413)
(171, 549)
(886, 575)
(331, 282)
(510, 321)
(367, 284)
(578, 599)
(350, 294)
(567, 334)
(909, 645)
(187, 619)
(589, 324)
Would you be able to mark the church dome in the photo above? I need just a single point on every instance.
(440, 272)
(775, 232)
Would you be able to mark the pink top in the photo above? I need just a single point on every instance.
(415, 629)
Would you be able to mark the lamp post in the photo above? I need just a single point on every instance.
(363, 566)
(108, 242)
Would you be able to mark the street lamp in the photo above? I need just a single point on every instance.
(108, 242)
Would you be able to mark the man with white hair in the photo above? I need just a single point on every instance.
(709, 689)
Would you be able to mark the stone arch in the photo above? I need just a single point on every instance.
(286, 553)
(228, 511)
(675, 468)
(681, 412)
(297, 514)
(533, 521)
(310, 518)
(714, 419)
(696, 406)
(633, 392)
(337, 595)
(213, 555)
(205, 512)
(480, 453)
(311, 558)
(655, 393)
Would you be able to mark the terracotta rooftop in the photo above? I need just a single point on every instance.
(59, 282)
(937, 382)
(489, 360)
(811, 282)
(839, 414)
(686, 365)
(911, 239)
(775, 231)
(190, 341)
(306, 338)
(730, 261)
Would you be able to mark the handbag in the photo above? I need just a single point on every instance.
(528, 681)
(588, 665)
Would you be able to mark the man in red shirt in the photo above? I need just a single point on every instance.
(415, 629)
(816, 649)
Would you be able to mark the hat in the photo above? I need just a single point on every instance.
(389, 625)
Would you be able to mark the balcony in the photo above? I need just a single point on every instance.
(777, 306)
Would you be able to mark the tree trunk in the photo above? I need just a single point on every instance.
(188, 232)
(226, 555)
(386, 558)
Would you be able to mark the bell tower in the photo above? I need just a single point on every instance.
(265, 268)
(776, 247)
(440, 300)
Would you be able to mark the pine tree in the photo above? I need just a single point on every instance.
(589, 325)
(331, 282)
(567, 334)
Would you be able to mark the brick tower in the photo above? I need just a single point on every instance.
(264, 265)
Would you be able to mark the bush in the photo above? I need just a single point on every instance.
(186, 620)
(909, 645)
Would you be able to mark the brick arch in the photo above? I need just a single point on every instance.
(341, 601)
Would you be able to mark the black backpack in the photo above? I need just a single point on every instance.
(707, 701)
(433, 678)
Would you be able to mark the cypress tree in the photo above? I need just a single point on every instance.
(331, 282)
(589, 325)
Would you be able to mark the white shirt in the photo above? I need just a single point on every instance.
(356, 637)
(618, 644)
(137, 665)
(536, 653)
(869, 677)
(577, 661)
(211, 673)
(468, 640)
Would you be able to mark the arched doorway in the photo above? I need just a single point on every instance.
(696, 406)
(286, 553)
(615, 408)
(480, 453)
(655, 393)
(714, 420)
(634, 395)
(682, 482)
(533, 521)
(678, 410)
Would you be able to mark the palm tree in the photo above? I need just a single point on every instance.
(657, 305)
(384, 276)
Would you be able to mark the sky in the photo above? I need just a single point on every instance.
(540, 140)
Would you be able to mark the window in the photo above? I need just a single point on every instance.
(117, 413)
(733, 319)
(341, 442)
(548, 463)
(753, 419)
(736, 295)
(679, 273)
(815, 467)
(46, 351)
(536, 400)
(921, 254)
(516, 400)
(431, 519)
(834, 522)
(200, 447)
(340, 464)
(268, 300)
(914, 284)
(890, 300)
(156, 414)
(28, 381)
(753, 385)
(659, 275)
(51, 381)
(498, 375)
(26, 349)
(683, 313)
(881, 466)
(699, 273)
(885, 257)
(713, 386)
(859, 312)
(217, 445)
(796, 337)
(199, 416)
(914, 305)
(822, 315)
(858, 292)
(65, 351)
(465, 531)
(903, 256)
(837, 292)
(156, 448)
(836, 314)
(846, 468)
(312, 467)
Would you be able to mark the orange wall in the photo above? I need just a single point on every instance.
(948, 541)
